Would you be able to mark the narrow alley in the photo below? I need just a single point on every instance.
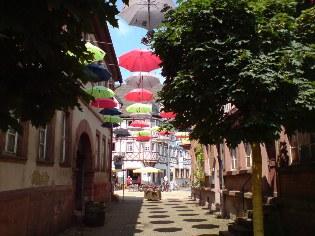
(175, 214)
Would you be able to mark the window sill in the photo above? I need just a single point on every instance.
(13, 158)
(238, 172)
(44, 163)
(65, 164)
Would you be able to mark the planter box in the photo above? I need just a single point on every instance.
(152, 195)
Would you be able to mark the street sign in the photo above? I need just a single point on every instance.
(118, 160)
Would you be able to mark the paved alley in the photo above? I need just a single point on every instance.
(175, 214)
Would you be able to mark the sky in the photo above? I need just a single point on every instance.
(126, 38)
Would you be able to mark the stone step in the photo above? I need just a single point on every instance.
(225, 233)
(245, 222)
(238, 230)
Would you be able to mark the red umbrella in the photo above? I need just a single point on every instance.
(139, 123)
(104, 103)
(164, 132)
(139, 95)
(167, 114)
(143, 138)
(139, 60)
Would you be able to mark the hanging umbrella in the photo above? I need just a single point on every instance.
(155, 128)
(142, 80)
(147, 169)
(163, 132)
(181, 134)
(146, 14)
(104, 103)
(115, 119)
(139, 123)
(98, 54)
(102, 73)
(134, 128)
(110, 125)
(139, 95)
(143, 138)
(143, 133)
(111, 111)
(145, 115)
(139, 108)
(100, 92)
(139, 60)
(122, 132)
(168, 115)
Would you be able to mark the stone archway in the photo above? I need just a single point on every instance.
(84, 174)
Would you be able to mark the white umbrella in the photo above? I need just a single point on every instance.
(142, 80)
(145, 13)
(147, 169)
(139, 115)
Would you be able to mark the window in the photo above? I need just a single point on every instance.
(147, 148)
(108, 158)
(11, 141)
(248, 151)
(43, 143)
(176, 173)
(103, 154)
(233, 159)
(129, 147)
(182, 173)
(129, 122)
(187, 173)
(97, 151)
(307, 146)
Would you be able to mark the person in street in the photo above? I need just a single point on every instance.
(165, 183)
(139, 183)
(129, 181)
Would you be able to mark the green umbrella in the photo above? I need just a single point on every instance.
(98, 54)
(100, 92)
(143, 133)
(115, 119)
(155, 128)
(139, 107)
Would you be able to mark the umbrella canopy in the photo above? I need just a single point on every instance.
(115, 119)
(139, 95)
(121, 132)
(167, 114)
(100, 92)
(134, 128)
(142, 80)
(143, 138)
(139, 60)
(110, 111)
(163, 132)
(104, 103)
(147, 169)
(139, 123)
(139, 115)
(102, 73)
(181, 134)
(146, 14)
(155, 128)
(110, 125)
(143, 133)
(98, 54)
(139, 108)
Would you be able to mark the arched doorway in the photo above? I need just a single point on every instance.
(84, 175)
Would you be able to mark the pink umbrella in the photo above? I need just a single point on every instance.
(139, 95)
(164, 132)
(104, 103)
(167, 114)
(139, 123)
(139, 60)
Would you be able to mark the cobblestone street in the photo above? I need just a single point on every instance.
(175, 214)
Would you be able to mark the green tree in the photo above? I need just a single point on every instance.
(37, 76)
(254, 55)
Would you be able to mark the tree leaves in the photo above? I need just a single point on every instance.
(246, 53)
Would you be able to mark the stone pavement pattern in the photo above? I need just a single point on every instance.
(175, 214)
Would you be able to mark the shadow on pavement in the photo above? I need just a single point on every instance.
(194, 220)
(157, 211)
(167, 229)
(159, 216)
(162, 222)
(205, 226)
